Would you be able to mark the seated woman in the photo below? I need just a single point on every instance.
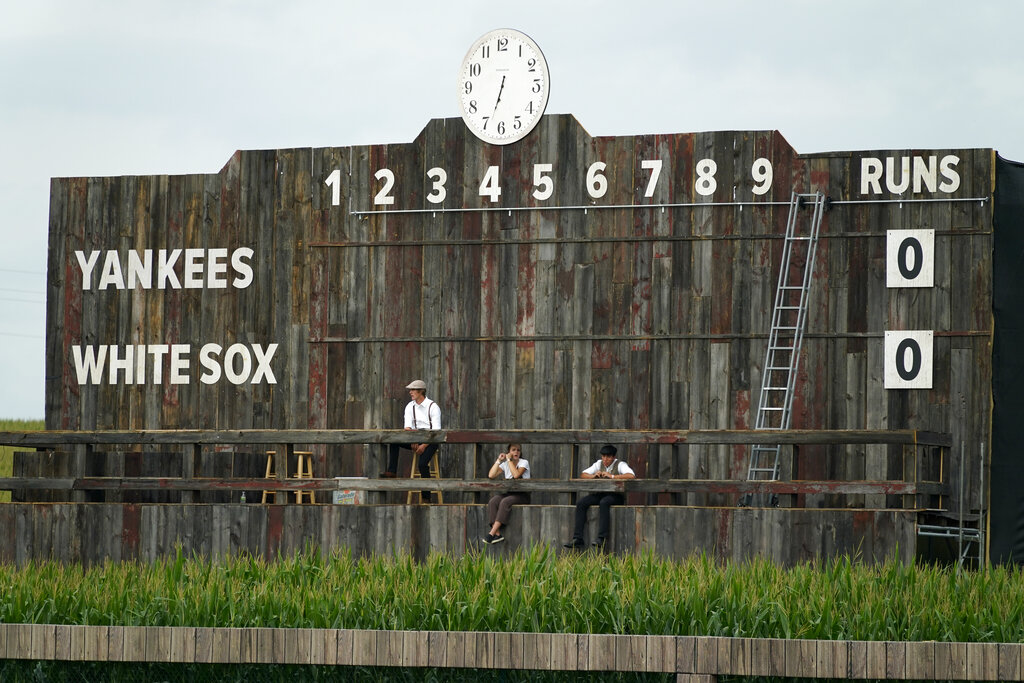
(499, 507)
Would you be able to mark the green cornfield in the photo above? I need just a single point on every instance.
(534, 590)
(7, 453)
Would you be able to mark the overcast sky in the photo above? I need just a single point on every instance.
(112, 87)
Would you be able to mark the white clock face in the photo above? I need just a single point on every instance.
(503, 86)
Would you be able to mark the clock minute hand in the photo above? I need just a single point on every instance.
(500, 90)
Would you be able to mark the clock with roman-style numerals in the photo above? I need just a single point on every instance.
(503, 86)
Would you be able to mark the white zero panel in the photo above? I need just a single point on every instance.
(908, 359)
(910, 258)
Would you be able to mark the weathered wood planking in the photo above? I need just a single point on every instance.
(633, 317)
(94, 532)
(691, 658)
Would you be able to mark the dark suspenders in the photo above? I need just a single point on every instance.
(415, 422)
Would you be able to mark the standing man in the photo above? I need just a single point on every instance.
(421, 413)
(608, 467)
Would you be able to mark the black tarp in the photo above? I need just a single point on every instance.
(1007, 488)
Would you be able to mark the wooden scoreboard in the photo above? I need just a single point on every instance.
(551, 280)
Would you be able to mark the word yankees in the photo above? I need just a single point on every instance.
(159, 268)
(144, 363)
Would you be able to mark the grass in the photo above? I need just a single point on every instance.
(7, 453)
(535, 590)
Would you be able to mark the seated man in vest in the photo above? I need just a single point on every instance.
(608, 467)
(421, 413)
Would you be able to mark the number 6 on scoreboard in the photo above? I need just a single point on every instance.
(908, 359)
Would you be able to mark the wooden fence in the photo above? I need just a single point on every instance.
(693, 658)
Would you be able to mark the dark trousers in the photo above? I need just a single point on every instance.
(604, 516)
(499, 507)
(424, 463)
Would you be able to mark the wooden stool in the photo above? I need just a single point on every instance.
(435, 473)
(302, 472)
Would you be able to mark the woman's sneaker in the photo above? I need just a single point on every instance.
(488, 539)
(497, 539)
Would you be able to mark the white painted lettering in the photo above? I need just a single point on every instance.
(237, 351)
(124, 365)
(211, 367)
(263, 368)
(193, 269)
(117, 364)
(179, 363)
(917, 173)
(158, 351)
(175, 268)
(947, 167)
(111, 272)
(140, 269)
(87, 265)
(244, 278)
(89, 362)
(216, 268)
(925, 171)
(890, 175)
(870, 175)
(140, 365)
(165, 269)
